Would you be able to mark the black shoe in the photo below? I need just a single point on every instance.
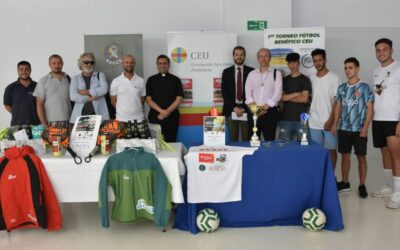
(362, 191)
(343, 187)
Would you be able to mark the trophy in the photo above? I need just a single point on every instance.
(304, 118)
(255, 109)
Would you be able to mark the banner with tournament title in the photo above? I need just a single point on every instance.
(198, 59)
(301, 40)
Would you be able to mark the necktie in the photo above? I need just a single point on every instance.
(239, 90)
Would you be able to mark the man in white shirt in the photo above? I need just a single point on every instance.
(385, 124)
(324, 86)
(127, 93)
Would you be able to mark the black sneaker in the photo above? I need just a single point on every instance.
(344, 187)
(362, 191)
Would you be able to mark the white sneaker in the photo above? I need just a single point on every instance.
(384, 191)
(394, 201)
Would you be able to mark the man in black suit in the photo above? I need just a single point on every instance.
(233, 86)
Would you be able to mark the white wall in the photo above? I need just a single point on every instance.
(33, 29)
(346, 13)
(352, 28)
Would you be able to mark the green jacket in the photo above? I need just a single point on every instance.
(140, 187)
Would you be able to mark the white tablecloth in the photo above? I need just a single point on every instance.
(80, 183)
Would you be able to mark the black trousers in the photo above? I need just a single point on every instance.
(169, 125)
(266, 124)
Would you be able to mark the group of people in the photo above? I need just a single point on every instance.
(59, 99)
(340, 113)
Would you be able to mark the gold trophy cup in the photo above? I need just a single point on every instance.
(255, 109)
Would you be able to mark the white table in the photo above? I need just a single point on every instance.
(80, 183)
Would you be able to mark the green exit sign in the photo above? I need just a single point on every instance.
(256, 25)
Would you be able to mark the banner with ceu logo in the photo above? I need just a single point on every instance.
(199, 58)
(300, 40)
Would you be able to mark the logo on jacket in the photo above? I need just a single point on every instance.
(11, 177)
(33, 218)
(125, 177)
(141, 204)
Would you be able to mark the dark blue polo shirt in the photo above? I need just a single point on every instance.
(23, 103)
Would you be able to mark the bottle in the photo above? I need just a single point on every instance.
(129, 131)
(135, 129)
(146, 129)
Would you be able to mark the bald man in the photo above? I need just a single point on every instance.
(264, 88)
(127, 93)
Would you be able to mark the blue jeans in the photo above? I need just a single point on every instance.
(325, 138)
(290, 130)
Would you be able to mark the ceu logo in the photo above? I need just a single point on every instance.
(178, 55)
(306, 61)
(113, 53)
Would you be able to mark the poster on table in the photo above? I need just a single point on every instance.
(84, 134)
(198, 59)
(300, 40)
(214, 130)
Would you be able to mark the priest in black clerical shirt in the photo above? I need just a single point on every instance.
(164, 93)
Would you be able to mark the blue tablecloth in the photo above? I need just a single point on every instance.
(279, 182)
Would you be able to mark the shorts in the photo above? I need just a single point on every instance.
(325, 138)
(381, 130)
(347, 140)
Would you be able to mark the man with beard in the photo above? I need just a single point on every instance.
(233, 92)
(164, 93)
(88, 89)
(127, 92)
(324, 87)
(52, 94)
(385, 124)
(18, 98)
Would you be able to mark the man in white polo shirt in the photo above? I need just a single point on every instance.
(127, 93)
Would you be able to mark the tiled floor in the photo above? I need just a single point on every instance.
(368, 225)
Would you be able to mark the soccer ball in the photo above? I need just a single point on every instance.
(207, 220)
(314, 219)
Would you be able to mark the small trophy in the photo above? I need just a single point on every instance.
(255, 109)
(304, 118)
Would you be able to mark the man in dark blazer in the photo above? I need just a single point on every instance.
(233, 92)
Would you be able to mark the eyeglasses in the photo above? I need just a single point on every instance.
(88, 62)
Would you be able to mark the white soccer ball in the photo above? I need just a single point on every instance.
(207, 220)
(314, 219)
